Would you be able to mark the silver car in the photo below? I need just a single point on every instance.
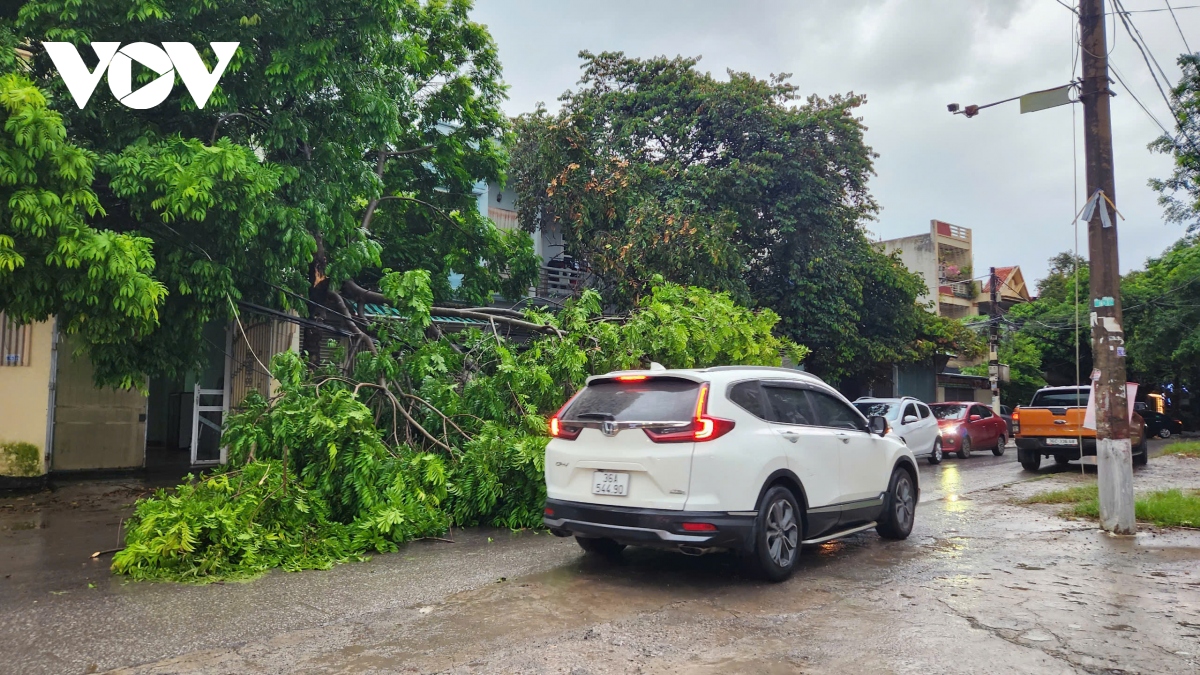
(910, 421)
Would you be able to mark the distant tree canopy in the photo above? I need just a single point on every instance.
(1161, 308)
(344, 139)
(1048, 323)
(653, 167)
(1162, 316)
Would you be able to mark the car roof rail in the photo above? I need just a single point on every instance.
(794, 371)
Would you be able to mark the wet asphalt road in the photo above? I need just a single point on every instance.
(982, 585)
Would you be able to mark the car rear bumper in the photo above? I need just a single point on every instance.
(1041, 444)
(650, 527)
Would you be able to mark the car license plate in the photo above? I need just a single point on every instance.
(610, 483)
(1062, 441)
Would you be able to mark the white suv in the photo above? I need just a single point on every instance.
(909, 420)
(755, 459)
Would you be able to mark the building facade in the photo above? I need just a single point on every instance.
(945, 260)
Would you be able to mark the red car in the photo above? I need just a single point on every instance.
(966, 426)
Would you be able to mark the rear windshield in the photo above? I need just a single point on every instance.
(870, 409)
(661, 399)
(1065, 398)
(948, 412)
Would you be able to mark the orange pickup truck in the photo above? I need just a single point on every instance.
(1052, 426)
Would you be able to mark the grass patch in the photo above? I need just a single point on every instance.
(1185, 449)
(1069, 495)
(1170, 508)
(1164, 508)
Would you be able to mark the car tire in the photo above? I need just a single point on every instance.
(777, 535)
(1031, 460)
(964, 448)
(935, 456)
(1141, 455)
(600, 546)
(1001, 443)
(900, 507)
(1164, 433)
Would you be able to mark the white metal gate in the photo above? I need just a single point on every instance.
(208, 414)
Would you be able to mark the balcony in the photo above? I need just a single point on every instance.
(559, 282)
(958, 289)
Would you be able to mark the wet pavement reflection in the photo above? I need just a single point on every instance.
(981, 585)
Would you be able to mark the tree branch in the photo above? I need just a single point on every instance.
(221, 120)
(363, 295)
(352, 321)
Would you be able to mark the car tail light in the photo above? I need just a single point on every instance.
(703, 427)
(1016, 421)
(632, 378)
(560, 430)
(699, 527)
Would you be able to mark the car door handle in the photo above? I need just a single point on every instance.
(790, 435)
(845, 437)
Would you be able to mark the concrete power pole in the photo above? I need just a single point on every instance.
(994, 341)
(1113, 451)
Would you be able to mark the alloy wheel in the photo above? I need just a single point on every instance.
(783, 533)
(902, 501)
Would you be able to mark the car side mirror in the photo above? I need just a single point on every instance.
(909, 419)
(975, 418)
(878, 425)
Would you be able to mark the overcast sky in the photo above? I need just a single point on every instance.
(1006, 176)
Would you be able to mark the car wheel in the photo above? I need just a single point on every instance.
(1031, 460)
(778, 534)
(935, 457)
(600, 546)
(1164, 433)
(964, 448)
(1001, 443)
(901, 508)
(1141, 453)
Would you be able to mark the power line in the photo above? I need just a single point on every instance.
(1148, 56)
(1177, 26)
(1121, 81)
(1140, 40)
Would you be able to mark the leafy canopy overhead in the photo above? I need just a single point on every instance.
(345, 138)
(652, 167)
(51, 259)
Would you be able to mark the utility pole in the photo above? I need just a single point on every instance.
(994, 340)
(1113, 452)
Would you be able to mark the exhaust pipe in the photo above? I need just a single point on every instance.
(694, 550)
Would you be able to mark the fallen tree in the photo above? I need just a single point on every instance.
(430, 430)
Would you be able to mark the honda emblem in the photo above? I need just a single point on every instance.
(608, 428)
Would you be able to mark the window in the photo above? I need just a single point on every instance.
(909, 409)
(665, 399)
(749, 397)
(1061, 398)
(924, 410)
(789, 405)
(877, 408)
(15, 339)
(981, 411)
(949, 411)
(831, 412)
